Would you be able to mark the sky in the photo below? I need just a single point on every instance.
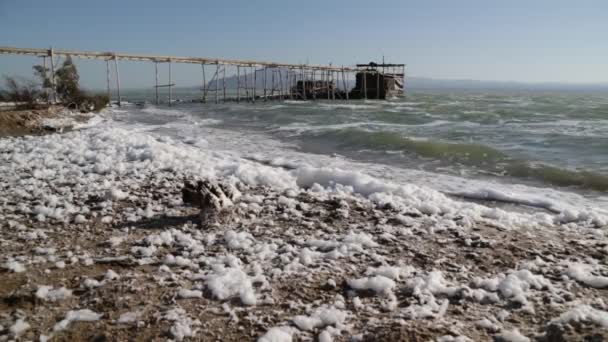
(525, 41)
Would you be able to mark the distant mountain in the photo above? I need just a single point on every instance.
(232, 81)
(425, 83)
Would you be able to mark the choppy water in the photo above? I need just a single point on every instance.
(543, 139)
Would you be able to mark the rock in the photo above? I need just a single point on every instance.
(213, 198)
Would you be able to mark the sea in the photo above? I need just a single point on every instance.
(527, 144)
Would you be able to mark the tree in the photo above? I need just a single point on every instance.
(67, 79)
(67, 87)
(43, 73)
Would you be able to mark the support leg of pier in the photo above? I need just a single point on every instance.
(238, 83)
(204, 88)
(224, 84)
(365, 85)
(265, 77)
(156, 82)
(117, 81)
(377, 85)
(217, 85)
(254, 83)
(53, 89)
(170, 86)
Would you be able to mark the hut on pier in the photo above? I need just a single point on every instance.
(378, 81)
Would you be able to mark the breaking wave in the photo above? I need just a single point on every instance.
(481, 157)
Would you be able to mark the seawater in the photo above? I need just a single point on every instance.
(557, 139)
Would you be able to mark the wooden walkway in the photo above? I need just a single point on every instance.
(282, 83)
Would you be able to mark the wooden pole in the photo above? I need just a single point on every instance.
(344, 82)
(327, 83)
(246, 87)
(170, 86)
(238, 83)
(365, 85)
(108, 80)
(377, 84)
(254, 81)
(303, 85)
(204, 84)
(44, 88)
(117, 80)
(280, 84)
(156, 80)
(272, 85)
(265, 76)
(289, 84)
(333, 86)
(217, 85)
(224, 83)
(53, 89)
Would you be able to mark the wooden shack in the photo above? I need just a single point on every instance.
(378, 81)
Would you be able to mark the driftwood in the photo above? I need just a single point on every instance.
(213, 198)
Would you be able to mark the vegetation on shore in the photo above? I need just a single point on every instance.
(35, 95)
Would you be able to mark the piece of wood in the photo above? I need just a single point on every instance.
(365, 85)
(117, 81)
(224, 84)
(204, 88)
(44, 87)
(156, 80)
(217, 85)
(238, 83)
(265, 76)
(377, 85)
(170, 87)
(254, 83)
(215, 200)
(53, 89)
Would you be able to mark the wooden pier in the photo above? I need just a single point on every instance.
(279, 80)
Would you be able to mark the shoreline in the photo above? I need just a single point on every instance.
(299, 259)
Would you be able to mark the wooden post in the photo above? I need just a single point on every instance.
(327, 83)
(265, 76)
(156, 79)
(333, 88)
(365, 85)
(314, 85)
(217, 85)
(108, 80)
(238, 83)
(246, 87)
(117, 80)
(44, 88)
(204, 84)
(377, 84)
(170, 86)
(280, 85)
(53, 89)
(290, 84)
(303, 85)
(254, 81)
(345, 83)
(272, 86)
(224, 83)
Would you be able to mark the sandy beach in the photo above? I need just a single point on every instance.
(97, 244)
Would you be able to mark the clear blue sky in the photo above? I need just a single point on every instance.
(530, 41)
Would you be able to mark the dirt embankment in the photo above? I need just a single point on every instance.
(16, 122)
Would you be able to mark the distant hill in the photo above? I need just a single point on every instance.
(423, 83)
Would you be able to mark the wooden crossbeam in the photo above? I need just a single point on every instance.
(160, 58)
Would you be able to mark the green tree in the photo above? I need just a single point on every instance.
(43, 74)
(66, 79)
